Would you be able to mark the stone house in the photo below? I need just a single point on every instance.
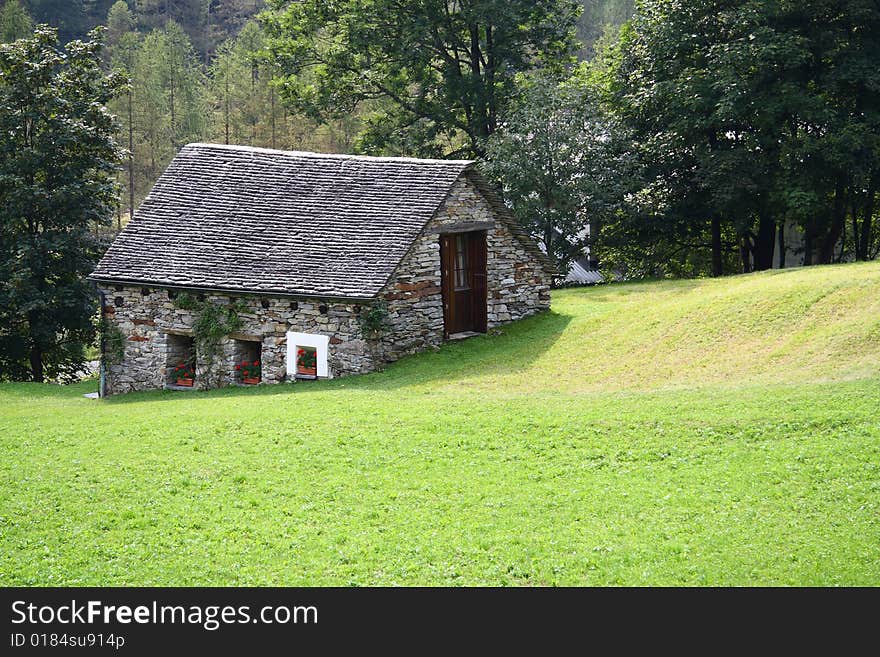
(302, 243)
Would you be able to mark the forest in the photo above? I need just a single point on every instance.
(670, 139)
(197, 72)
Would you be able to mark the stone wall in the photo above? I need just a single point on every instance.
(517, 285)
(147, 316)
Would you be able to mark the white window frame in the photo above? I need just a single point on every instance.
(321, 345)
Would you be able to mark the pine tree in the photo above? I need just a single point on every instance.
(15, 23)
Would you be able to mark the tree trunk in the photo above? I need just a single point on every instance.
(745, 254)
(548, 239)
(781, 240)
(867, 220)
(118, 207)
(838, 215)
(480, 119)
(272, 105)
(226, 104)
(36, 359)
(717, 260)
(764, 243)
(808, 246)
(857, 244)
(130, 157)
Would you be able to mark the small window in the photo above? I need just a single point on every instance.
(462, 273)
(247, 356)
(180, 360)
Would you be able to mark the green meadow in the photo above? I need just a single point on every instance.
(721, 431)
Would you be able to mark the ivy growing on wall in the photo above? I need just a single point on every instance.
(112, 342)
(374, 322)
(212, 322)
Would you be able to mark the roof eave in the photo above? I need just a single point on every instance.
(229, 290)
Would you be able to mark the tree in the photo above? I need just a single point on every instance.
(169, 104)
(436, 74)
(15, 23)
(563, 166)
(120, 21)
(599, 17)
(755, 114)
(121, 53)
(57, 164)
(68, 16)
(240, 83)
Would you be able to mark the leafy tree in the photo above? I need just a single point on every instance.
(15, 23)
(436, 73)
(183, 80)
(752, 115)
(563, 166)
(57, 162)
(190, 15)
(70, 17)
(227, 18)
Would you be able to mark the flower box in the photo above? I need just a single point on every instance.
(306, 362)
(251, 372)
(183, 374)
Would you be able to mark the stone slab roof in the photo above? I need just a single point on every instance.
(237, 218)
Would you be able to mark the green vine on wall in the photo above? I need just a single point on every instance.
(212, 322)
(112, 342)
(374, 321)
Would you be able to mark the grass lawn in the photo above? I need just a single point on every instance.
(693, 432)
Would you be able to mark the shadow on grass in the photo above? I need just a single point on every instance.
(511, 348)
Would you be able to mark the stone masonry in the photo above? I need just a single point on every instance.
(517, 285)
(150, 321)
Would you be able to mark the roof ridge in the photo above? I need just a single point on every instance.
(339, 156)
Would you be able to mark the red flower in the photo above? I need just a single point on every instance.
(238, 367)
(256, 362)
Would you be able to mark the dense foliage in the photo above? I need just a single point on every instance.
(755, 117)
(437, 73)
(57, 161)
(562, 164)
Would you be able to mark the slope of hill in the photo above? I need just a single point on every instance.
(691, 432)
(795, 325)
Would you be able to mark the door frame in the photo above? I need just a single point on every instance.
(477, 280)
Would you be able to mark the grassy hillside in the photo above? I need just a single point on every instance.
(696, 432)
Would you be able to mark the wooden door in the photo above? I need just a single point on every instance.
(463, 274)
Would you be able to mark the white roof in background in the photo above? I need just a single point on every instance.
(577, 274)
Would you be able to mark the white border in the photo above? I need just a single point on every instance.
(320, 343)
